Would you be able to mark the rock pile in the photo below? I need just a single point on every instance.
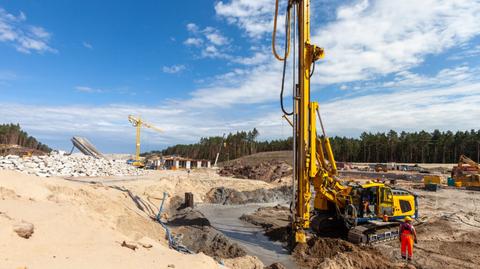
(226, 196)
(61, 165)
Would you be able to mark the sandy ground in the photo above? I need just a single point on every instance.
(448, 235)
(82, 225)
(448, 231)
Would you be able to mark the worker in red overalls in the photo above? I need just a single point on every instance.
(408, 235)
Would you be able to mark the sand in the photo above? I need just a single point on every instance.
(82, 225)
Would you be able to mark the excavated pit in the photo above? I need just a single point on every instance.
(194, 231)
(226, 218)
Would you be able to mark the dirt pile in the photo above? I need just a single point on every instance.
(245, 262)
(337, 253)
(227, 196)
(267, 171)
(274, 219)
(276, 266)
(195, 232)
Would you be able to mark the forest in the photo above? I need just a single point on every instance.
(12, 134)
(409, 147)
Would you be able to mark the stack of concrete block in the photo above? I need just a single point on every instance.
(61, 165)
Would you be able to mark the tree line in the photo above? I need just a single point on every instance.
(409, 147)
(12, 134)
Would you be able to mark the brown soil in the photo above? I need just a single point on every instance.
(267, 171)
(276, 266)
(337, 253)
(195, 232)
(319, 252)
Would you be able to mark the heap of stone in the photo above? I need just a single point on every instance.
(61, 165)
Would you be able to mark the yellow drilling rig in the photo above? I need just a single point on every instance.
(370, 211)
(138, 123)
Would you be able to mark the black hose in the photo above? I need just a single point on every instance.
(285, 62)
(313, 69)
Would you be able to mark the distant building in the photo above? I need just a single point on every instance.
(176, 162)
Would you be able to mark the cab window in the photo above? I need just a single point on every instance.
(405, 206)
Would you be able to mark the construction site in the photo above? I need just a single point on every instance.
(305, 200)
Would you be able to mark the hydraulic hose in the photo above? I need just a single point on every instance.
(287, 51)
(287, 33)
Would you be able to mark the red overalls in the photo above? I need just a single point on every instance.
(406, 237)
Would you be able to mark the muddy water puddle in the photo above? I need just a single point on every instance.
(226, 218)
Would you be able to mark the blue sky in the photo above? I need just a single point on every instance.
(201, 68)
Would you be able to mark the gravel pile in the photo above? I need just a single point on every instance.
(57, 164)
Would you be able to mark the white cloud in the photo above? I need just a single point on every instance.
(445, 108)
(193, 41)
(211, 42)
(449, 108)
(367, 40)
(192, 27)
(87, 45)
(86, 89)
(106, 122)
(255, 59)
(173, 69)
(445, 77)
(255, 17)
(372, 38)
(25, 38)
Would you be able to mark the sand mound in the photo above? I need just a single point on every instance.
(245, 262)
(80, 225)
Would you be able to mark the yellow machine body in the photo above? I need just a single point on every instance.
(467, 173)
(432, 179)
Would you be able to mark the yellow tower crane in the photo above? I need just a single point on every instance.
(137, 122)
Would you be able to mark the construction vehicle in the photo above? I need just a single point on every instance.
(467, 173)
(432, 182)
(368, 210)
(138, 123)
(380, 167)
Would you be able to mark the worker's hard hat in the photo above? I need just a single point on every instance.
(407, 218)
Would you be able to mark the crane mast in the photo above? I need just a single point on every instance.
(138, 123)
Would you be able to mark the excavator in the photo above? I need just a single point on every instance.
(467, 173)
(370, 211)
